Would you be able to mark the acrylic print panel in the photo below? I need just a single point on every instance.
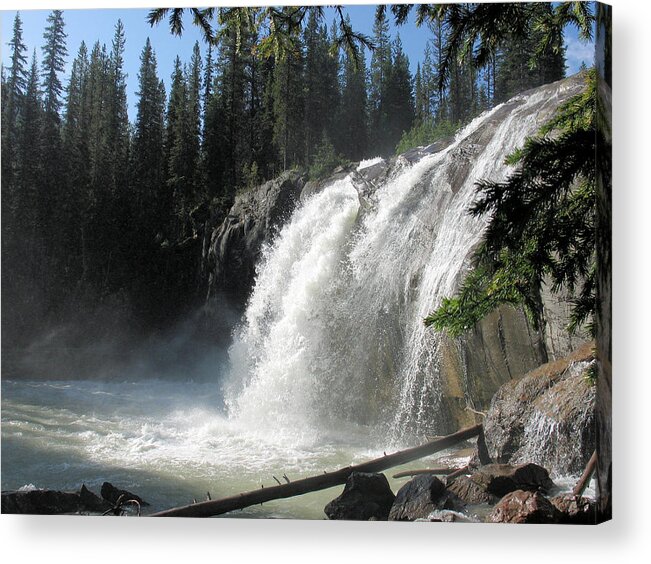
(307, 262)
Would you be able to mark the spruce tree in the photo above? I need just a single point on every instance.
(54, 53)
(118, 117)
(379, 78)
(320, 84)
(421, 106)
(353, 110)
(53, 205)
(288, 105)
(150, 198)
(180, 150)
(194, 93)
(399, 100)
(29, 161)
(76, 137)
(13, 92)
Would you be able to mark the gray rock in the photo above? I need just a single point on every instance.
(546, 417)
(366, 497)
(420, 496)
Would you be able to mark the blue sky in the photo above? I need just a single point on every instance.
(91, 25)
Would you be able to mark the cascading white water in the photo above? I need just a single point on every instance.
(333, 334)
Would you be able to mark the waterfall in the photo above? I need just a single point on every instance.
(333, 335)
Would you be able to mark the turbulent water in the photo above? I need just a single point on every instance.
(331, 364)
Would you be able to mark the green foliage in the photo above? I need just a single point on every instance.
(250, 175)
(352, 117)
(424, 133)
(541, 228)
(325, 160)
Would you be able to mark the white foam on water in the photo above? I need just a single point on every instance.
(366, 163)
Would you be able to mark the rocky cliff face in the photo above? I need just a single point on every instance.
(235, 243)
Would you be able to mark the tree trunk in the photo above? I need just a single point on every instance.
(584, 480)
(316, 483)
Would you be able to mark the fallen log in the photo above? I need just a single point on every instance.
(316, 483)
(584, 480)
(460, 472)
(442, 471)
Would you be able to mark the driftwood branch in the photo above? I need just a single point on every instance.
(460, 472)
(316, 483)
(584, 480)
(442, 471)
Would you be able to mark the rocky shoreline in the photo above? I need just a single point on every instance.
(502, 492)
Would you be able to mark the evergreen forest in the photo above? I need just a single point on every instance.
(98, 210)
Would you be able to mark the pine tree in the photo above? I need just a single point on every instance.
(194, 87)
(420, 97)
(76, 137)
(462, 93)
(181, 150)
(379, 77)
(150, 201)
(515, 72)
(353, 110)
(98, 105)
(54, 53)
(53, 206)
(13, 92)
(399, 100)
(29, 159)
(434, 65)
(288, 105)
(148, 156)
(118, 117)
(226, 114)
(320, 84)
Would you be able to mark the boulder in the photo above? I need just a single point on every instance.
(575, 510)
(545, 417)
(52, 502)
(500, 479)
(92, 502)
(112, 494)
(420, 496)
(365, 497)
(524, 507)
(471, 492)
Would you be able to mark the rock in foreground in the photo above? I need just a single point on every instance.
(501, 479)
(365, 497)
(524, 507)
(51, 502)
(420, 496)
(546, 417)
